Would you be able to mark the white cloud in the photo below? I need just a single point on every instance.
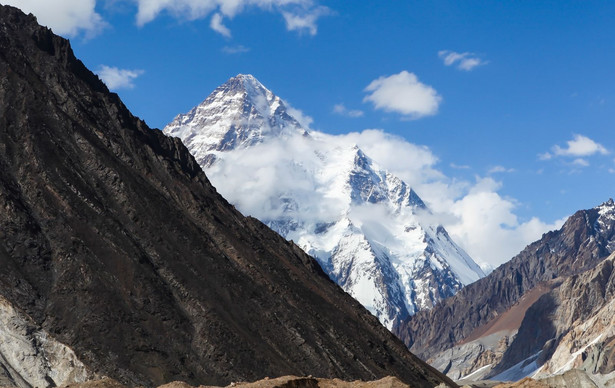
(66, 17)
(299, 15)
(240, 49)
(580, 162)
(580, 146)
(116, 78)
(405, 94)
(465, 61)
(341, 109)
(578, 149)
(216, 25)
(72, 17)
(486, 226)
(304, 20)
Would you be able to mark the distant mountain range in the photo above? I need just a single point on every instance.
(118, 257)
(370, 232)
(548, 310)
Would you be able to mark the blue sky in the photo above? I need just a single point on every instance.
(513, 98)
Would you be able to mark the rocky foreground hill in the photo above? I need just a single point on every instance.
(118, 257)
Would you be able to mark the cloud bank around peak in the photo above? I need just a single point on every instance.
(475, 213)
(265, 179)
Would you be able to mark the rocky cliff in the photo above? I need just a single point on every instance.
(481, 327)
(573, 326)
(114, 244)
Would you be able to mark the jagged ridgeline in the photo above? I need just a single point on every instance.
(368, 229)
(546, 311)
(118, 255)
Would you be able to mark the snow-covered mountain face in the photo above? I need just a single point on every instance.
(370, 231)
(238, 114)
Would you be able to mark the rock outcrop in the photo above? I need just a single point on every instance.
(572, 327)
(30, 357)
(115, 244)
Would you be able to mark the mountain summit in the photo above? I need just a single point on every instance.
(118, 258)
(368, 229)
(238, 114)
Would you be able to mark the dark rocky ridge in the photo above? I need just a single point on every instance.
(579, 245)
(113, 240)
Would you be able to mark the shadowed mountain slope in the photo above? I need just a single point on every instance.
(113, 242)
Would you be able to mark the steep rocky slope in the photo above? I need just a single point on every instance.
(573, 326)
(481, 326)
(368, 229)
(114, 243)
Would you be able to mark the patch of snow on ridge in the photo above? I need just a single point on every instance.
(520, 370)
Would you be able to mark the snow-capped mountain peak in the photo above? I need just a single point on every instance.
(238, 114)
(368, 229)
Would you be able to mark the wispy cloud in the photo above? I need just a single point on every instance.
(341, 109)
(460, 166)
(299, 15)
(580, 162)
(578, 149)
(239, 49)
(67, 17)
(217, 25)
(463, 61)
(303, 119)
(403, 93)
(116, 78)
(305, 20)
(500, 169)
